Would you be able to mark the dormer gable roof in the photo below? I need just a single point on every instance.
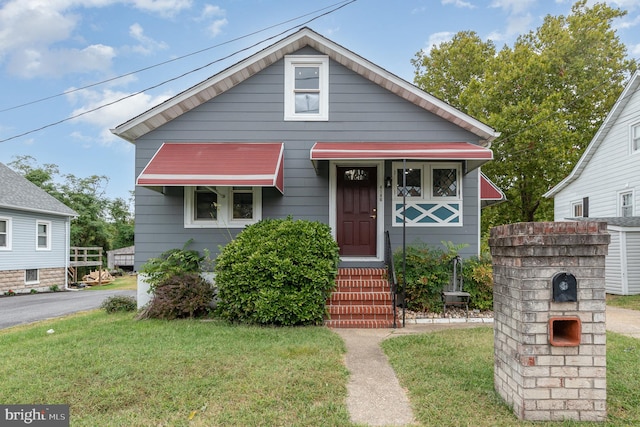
(236, 74)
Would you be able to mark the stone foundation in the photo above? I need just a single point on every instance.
(14, 280)
(541, 381)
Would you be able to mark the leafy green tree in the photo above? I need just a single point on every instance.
(547, 96)
(101, 222)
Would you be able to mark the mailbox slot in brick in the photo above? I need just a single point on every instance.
(565, 332)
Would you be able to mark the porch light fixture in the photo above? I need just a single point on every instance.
(387, 182)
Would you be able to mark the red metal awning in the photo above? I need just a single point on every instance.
(489, 192)
(216, 164)
(474, 155)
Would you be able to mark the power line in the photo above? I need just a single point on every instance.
(342, 4)
(36, 101)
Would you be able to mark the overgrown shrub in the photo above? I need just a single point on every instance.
(180, 296)
(430, 270)
(174, 262)
(277, 272)
(119, 303)
(478, 281)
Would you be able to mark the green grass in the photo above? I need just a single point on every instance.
(631, 302)
(120, 283)
(449, 377)
(114, 371)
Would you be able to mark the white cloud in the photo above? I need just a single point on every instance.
(29, 63)
(217, 15)
(111, 116)
(437, 38)
(28, 50)
(459, 3)
(635, 50)
(147, 45)
(513, 7)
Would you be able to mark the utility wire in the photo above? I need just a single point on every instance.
(177, 77)
(36, 101)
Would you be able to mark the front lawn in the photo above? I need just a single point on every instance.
(631, 302)
(449, 377)
(114, 371)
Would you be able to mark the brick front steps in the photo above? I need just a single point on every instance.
(362, 299)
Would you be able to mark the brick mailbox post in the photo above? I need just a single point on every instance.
(549, 319)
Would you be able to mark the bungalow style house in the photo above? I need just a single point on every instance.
(310, 129)
(605, 185)
(34, 236)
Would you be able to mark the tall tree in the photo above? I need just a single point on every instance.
(547, 95)
(101, 222)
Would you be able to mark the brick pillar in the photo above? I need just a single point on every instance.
(539, 380)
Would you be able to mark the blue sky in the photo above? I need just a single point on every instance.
(58, 49)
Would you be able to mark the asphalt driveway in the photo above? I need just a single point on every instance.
(21, 309)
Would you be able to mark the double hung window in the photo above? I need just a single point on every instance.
(43, 235)
(221, 207)
(306, 88)
(5, 234)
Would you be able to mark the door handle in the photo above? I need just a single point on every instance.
(375, 214)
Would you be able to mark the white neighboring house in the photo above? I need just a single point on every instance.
(605, 185)
(34, 236)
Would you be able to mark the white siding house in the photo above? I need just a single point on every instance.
(34, 236)
(605, 184)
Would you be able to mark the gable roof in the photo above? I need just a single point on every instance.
(17, 192)
(236, 74)
(600, 136)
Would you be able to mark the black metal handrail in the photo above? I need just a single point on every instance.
(391, 274)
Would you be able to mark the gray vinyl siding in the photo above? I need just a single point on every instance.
(613, 265)
(253, 111)
(633, 262)
(23, 253)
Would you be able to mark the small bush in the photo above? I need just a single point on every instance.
(119, 303)
(54, 288)
(277, 272)
(430, 270)
(180, 296)
(171, 263)
(478, 281)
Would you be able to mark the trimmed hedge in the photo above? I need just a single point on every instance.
(277, 272)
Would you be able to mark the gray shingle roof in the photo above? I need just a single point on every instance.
(17, 192)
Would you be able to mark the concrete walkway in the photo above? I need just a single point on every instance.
(375, 396)
(623, 321)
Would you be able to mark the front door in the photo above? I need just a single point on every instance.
(357, 215)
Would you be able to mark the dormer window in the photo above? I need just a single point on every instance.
(306, 86)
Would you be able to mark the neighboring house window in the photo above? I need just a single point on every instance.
(306, 86)
(5, 234)
(43, 237)
(577, 208)
(635, 138)
(432, 193)
(626, 204)
(222, 207)
(31, 276)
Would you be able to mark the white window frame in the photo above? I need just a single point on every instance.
(48, 235)
(576, 205)
(225, 208)
(7, 245)
(427, 180)
(621, 207)
(634, 138)
(290, 63)
(32, 282)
